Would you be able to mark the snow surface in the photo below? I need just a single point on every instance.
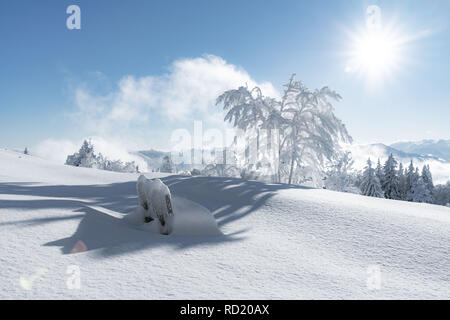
(232, 239)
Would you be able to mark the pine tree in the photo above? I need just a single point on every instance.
(379, 172)
(87, 155)
(167, 165)
(390, 179)
(428, 180)
(420, 192)
(411, 180)
(370, 185)
(442, 194)
(402, 182)
(25, 151)
(86, 158)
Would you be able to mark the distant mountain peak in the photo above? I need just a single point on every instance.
(439, 149)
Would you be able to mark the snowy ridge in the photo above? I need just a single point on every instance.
(233, 239)
(435, 148)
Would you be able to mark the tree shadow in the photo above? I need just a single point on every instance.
(117, 196)
(111, 236)
(228, 199)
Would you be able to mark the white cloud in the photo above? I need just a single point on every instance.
(55, 150)
(141, 112)
(192, 85)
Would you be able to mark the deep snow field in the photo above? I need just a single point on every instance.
(233, 239)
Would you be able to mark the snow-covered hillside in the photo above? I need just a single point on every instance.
(233, 239)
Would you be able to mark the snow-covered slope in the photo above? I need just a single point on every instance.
(232, 239)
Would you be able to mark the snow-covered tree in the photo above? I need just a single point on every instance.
(428, 180)
(117, 165)
(402, 185)
(84, 157)
(390, 179)
(411, 179)
(167, 165)
(221, 170)
(339, 177)
(442, 194)
(379, 171)
(249, 174)
(370, 185)
(308, 132)
(420, 193)
(87, 158)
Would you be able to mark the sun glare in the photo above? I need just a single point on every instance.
(375, 54)
(376, 51)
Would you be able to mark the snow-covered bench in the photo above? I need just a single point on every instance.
(155, 201)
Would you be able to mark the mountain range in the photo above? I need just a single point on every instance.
(436, 148)
(436, 153)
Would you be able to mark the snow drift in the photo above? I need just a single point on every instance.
(232, 239)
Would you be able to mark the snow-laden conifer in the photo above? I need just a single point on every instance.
(370, 185)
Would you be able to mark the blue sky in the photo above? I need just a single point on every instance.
(45, 67)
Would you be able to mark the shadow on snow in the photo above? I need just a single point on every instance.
(228, 199)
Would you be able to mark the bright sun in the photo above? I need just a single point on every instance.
(375, 54)
(377, 51)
